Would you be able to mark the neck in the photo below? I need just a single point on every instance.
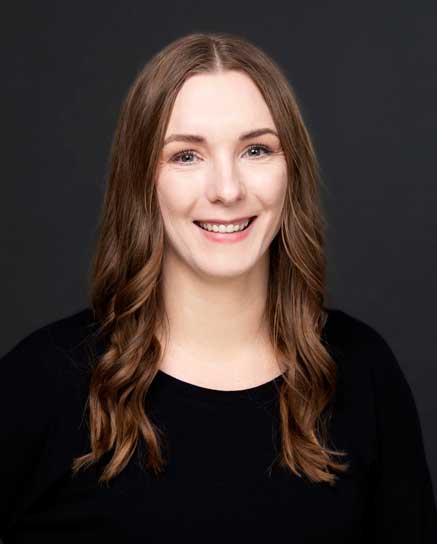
(217, 323)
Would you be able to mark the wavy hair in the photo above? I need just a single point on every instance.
(126, 270)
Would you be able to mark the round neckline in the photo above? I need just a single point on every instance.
(263, 391)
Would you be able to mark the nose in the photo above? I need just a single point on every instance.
(225, 184)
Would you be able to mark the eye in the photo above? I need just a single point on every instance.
(264, 148)
(185, 153)
(190, 153)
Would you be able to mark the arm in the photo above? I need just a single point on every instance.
(26, 402)
(402, 506)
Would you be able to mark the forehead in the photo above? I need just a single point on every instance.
(225, 100)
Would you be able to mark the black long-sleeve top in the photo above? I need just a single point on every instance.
(221, 481)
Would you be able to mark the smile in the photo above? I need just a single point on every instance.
(228, 228)
(226, 233)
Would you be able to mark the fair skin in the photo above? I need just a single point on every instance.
(215, 293)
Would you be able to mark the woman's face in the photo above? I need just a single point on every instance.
(210, 172)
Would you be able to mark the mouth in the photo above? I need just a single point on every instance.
(251, 220)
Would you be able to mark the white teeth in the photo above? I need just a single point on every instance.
(224, 228)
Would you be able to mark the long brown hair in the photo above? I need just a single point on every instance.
(126, 270)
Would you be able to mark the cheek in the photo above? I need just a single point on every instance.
(271, 185)
(175, 195)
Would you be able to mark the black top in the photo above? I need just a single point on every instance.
(221, 481)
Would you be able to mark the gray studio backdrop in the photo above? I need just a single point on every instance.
(365, 75)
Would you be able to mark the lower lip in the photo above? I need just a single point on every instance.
(226, 238)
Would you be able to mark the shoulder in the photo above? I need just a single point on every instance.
(360, 349)
(51, 353)
(43, 393)
(350, 332)
(348, 335)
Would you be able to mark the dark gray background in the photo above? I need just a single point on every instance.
(365, 77)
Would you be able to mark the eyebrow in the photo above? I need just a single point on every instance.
(196, 139)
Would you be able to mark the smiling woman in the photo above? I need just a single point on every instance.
(208, 393)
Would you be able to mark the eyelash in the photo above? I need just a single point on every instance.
(265, 148)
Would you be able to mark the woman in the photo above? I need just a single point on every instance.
(208, 392)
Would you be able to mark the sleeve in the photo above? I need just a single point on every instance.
(402, 506)
(27, 391)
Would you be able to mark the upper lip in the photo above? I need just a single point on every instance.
(226, 221)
